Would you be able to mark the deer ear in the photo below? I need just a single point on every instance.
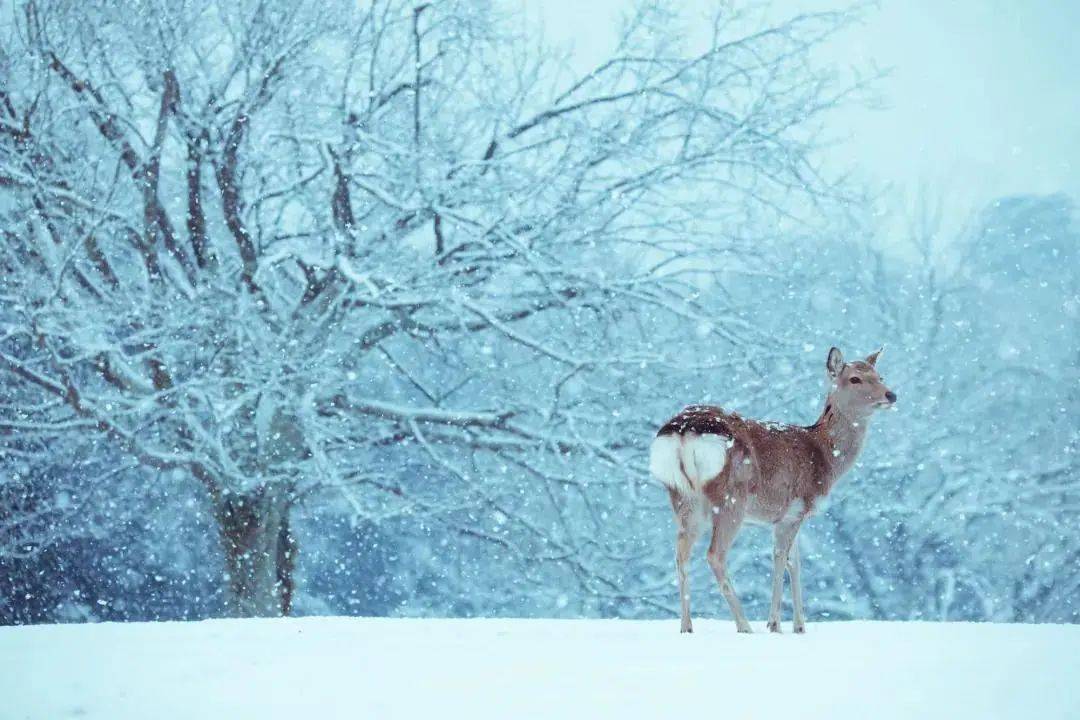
(834, 363)
(871, 359)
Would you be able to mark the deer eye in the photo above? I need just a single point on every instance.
(855, 381)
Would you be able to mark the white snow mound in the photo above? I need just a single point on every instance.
(329, 668)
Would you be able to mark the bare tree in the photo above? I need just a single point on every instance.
(386, 254)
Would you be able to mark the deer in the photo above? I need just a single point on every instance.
(723, 469)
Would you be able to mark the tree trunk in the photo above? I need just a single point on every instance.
(260, 552)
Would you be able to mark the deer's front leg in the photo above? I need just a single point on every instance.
(794, 568)
(784, 534)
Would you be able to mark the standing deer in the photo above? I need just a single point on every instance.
(721, 467)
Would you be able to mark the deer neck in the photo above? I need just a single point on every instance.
(841, 436)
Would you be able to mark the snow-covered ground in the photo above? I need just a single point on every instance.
(322, 668)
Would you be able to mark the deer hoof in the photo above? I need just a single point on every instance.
(774, 626)
(800, 628)
(745, 629)
(686, 629)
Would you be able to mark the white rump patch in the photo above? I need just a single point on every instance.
(707, 455)
(687, 462)
(664, 462)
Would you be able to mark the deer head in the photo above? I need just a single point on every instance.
(857, 389)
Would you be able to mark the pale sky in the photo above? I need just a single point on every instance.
(983, 100)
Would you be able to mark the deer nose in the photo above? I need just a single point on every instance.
(890, 396)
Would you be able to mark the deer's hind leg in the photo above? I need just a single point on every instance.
(727, 507)
(688, 521)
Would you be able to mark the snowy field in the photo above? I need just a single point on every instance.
(323, 668)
